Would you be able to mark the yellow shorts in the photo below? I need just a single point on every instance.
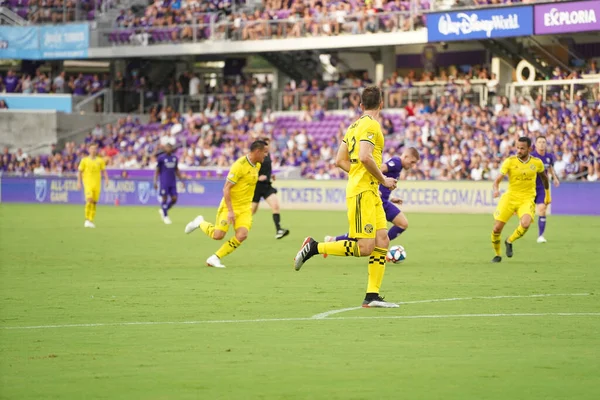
(365, 215)
(243, 219)
(507, 206)
(92, 192)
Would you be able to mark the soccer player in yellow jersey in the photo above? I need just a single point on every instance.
(236, 206)
(522, 171)
(91, 169)
(360, 154)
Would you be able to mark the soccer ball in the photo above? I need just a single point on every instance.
(396, 254)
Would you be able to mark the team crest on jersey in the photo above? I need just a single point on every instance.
(368, 228)
(144, 190)
(223, 222)
(41, 189)
(532, 167)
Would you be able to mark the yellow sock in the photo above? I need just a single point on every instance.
(517, 234)
(88, 208)
(92, 211)
(496, 244)
(228, 247)
(344, 248)
(208, 229)
(376, 270)
(380, 255)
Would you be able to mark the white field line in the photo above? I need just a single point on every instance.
(241, 321)
(332, 312)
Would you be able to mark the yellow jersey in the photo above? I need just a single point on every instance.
(366, 129)
(244, 175)
(521, 175)
(91, 169)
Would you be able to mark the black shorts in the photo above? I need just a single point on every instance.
(263, 191)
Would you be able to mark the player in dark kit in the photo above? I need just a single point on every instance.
(168, 171)
(393, 214)
(548, 160)
(266, 191)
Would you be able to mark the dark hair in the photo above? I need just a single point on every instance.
(525, 139)
(258, 145)
(541, 137)
(371, 97)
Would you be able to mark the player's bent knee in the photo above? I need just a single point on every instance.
(219, 235)
(241, 234)
(366, 246)
(541, 210)
(498, 226)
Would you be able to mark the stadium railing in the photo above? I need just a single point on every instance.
(336, 99)
(565, 89)
(206, 27)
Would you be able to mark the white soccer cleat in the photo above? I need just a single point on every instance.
(329, 239)
(161, 213)
(214, 261)
(195, 224)
(89, 224)
(541, 239)
(167, 220)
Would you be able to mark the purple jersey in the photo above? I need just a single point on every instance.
(167, 168)
(394, 166)
(11, 83)
(548, 160)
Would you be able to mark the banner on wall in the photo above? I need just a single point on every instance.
(44, 42)
(565, 17)
(418, 196)
(64, 41)
(480, 24)
(56, 190)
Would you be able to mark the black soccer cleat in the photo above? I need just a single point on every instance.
(509, 250)
(281, 233)
(308, 249)
(497, 259)
(378, 302)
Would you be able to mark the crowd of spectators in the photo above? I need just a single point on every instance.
(174, 21)
(57, 11)
(41, 82)
(457, 139)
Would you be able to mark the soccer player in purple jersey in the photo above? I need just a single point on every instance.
(548, 160)
(168, 171)
(393, 214)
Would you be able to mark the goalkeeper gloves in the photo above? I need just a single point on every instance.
(547, 198)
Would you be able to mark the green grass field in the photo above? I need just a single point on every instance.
(247, 332)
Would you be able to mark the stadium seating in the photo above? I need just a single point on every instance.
(456, 140)
(173, 21)
(56, 11)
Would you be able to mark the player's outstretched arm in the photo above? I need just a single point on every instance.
(79, 178)
(342, 158)
(496, 185)
(156, 172)
(555, 179)
(106, 180)
(227, 197)
(178, 174)
(546, 183)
